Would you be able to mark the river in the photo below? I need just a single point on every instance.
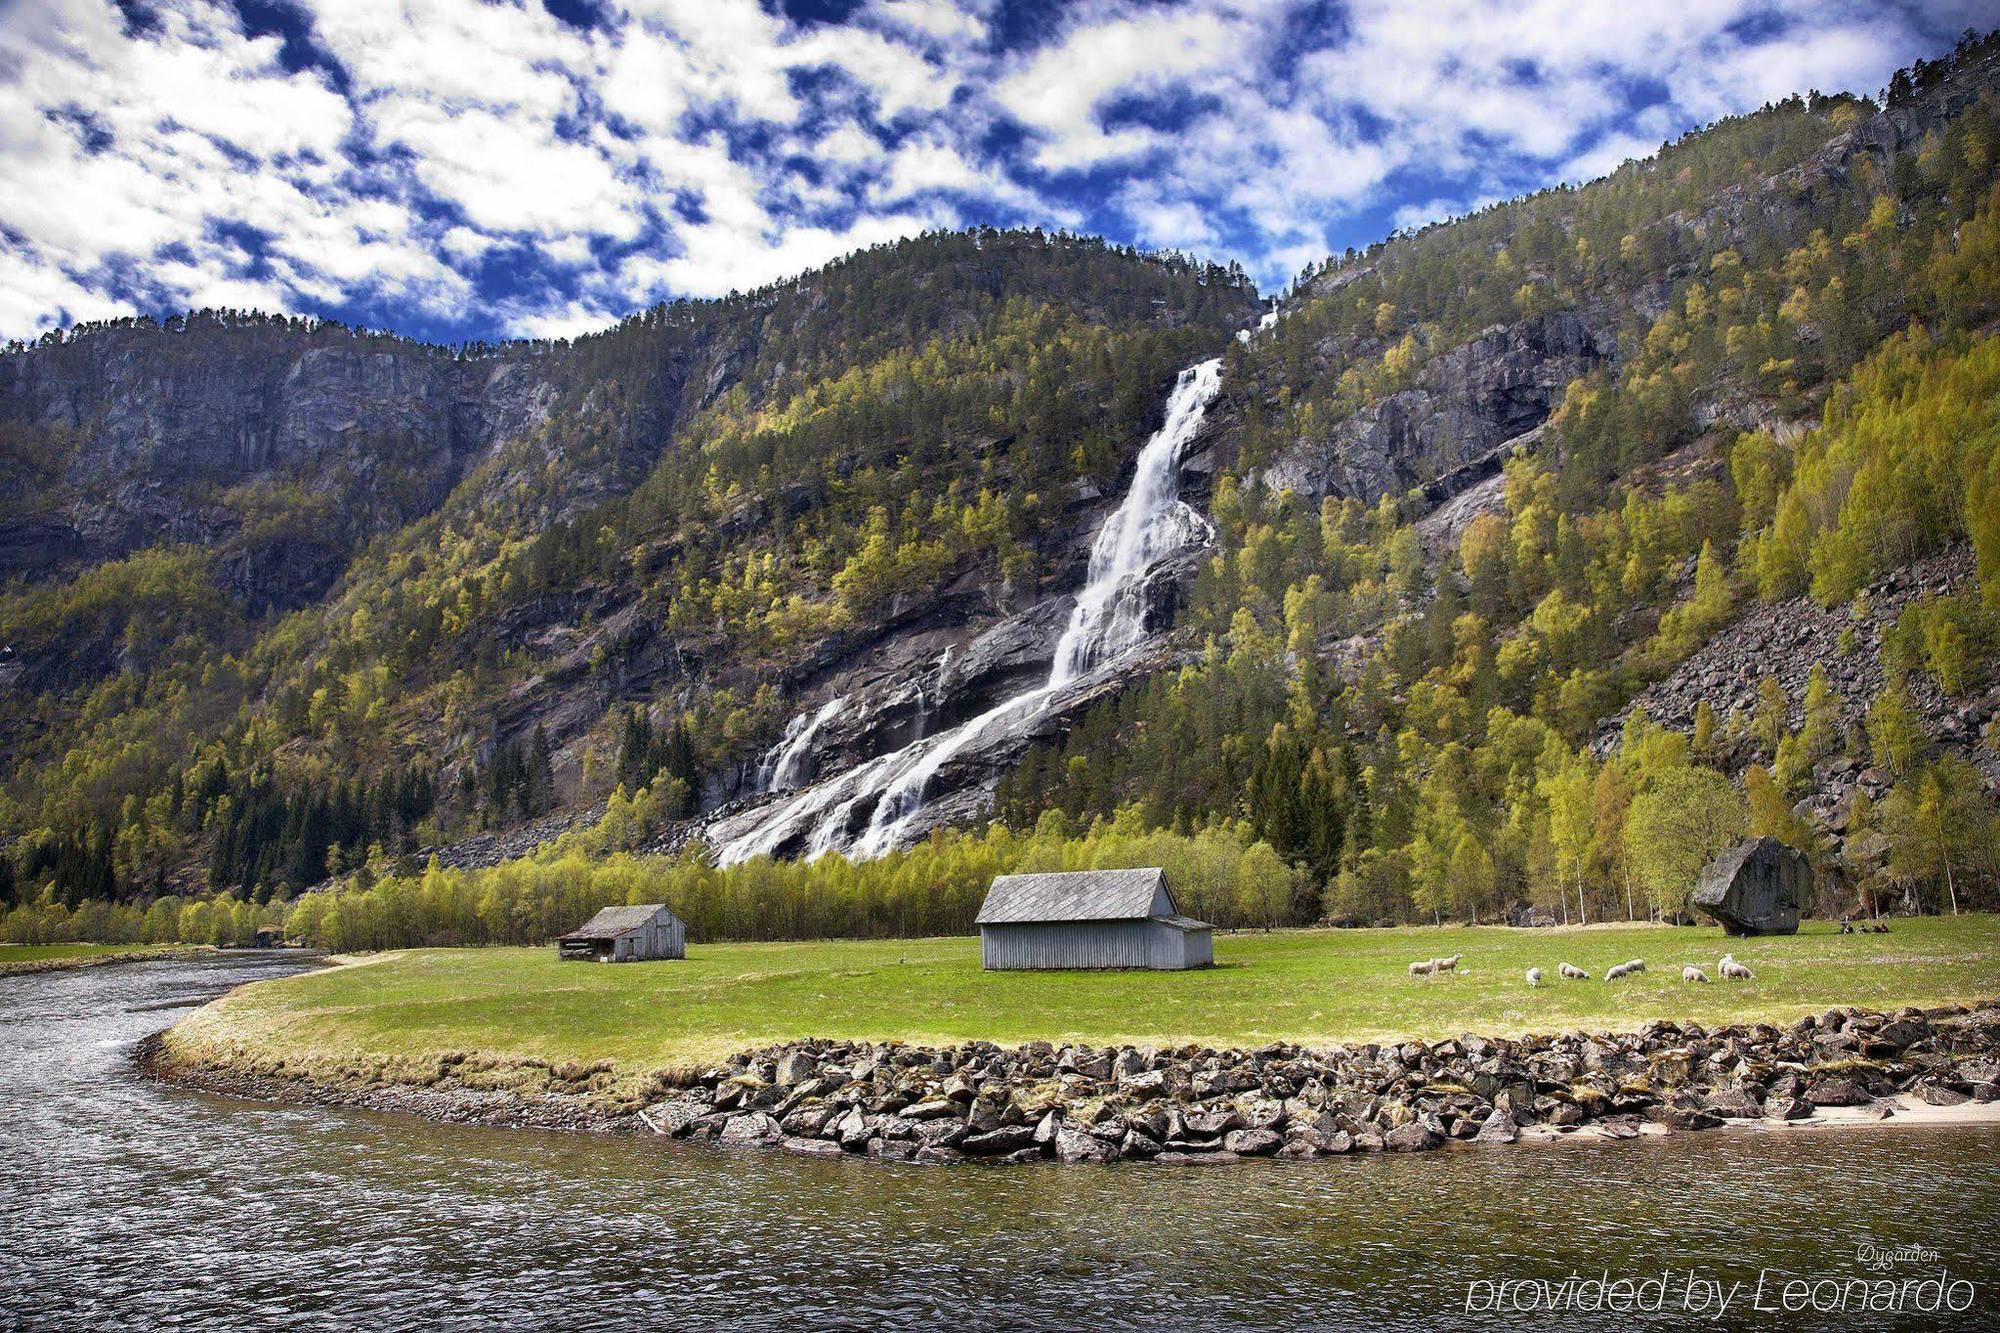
(131, 1204)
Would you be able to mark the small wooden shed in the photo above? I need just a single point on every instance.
(640, 933)
(1089, 919)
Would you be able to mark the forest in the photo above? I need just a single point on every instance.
(1362, 727)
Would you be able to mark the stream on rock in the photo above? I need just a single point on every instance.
(138, 1205)
(1108, 619)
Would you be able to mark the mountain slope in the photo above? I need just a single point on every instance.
(688, 511)
(1485, 506)
(1649, 403)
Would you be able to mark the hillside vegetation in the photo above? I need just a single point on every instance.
(1478, 490)
(1799, 404)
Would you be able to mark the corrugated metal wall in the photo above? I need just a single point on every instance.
(1089, 944)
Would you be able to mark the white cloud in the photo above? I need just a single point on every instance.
(729, 52)
(463, 243)
(571, 320)
(930, 164)
(899, 78)
(1420, 214)
(952, 21)
(684, 148)
(1058, 91)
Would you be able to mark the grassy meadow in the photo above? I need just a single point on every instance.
(54, 957)
(1301, 985)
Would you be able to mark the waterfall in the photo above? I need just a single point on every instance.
(1109, 618)
(1152, 522)
(785, 765)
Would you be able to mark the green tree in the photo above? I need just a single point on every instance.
(1469, 878)
(1676, 827)
(1572, 800)
(1938, 826)
(1895, 737)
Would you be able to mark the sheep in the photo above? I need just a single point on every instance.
(1573, 973)
(1731, 970)
(1423, 969)
(1618, 970)
(1446, 964)
(1693, 973)
(1534, 976)
(1636, 965)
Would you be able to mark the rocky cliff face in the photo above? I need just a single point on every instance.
(1466, 403)
(280, 446)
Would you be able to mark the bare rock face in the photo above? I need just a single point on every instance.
(1466, 402)
(1756, 888)
(284, 445)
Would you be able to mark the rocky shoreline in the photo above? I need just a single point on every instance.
(1193, 1105)
(41, 965)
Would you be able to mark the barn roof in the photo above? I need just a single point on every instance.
(1083, 895)
(612, 922)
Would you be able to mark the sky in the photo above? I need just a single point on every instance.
(456, 169)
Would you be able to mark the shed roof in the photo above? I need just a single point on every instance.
(1183, 922)
(1083, 895)
(612, 922)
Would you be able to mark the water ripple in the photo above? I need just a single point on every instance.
(133, 1205)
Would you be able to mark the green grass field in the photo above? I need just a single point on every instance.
(1307, 985)
(35, 957)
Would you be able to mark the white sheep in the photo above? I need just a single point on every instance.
(1732, 970)
(1573, 973)
(1636, 965)
(1534, 976)
(1424, 968)
(1446, 964)
(1693, 973)
(1615, 971)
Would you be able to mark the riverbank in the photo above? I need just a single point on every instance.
(778, 1043)
(370, 1209)
(1195, 1105)
(17, 960)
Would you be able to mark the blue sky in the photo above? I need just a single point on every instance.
(497, 168)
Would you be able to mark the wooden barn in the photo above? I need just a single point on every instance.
(1087, 919)
(643, 932)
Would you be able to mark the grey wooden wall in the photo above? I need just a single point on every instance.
(1087, 944)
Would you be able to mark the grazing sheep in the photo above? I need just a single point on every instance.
(1573, 973)
(1534, 976)
(1423, 969)
(1446, 964)
(1636, 965)
(1731, 970)
(1693, 973)
(1615, 971)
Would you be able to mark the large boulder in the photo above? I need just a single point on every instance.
(1756, 888)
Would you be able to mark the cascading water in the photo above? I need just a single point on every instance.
(1109, 618)
(785, 766)
(1151, 522)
